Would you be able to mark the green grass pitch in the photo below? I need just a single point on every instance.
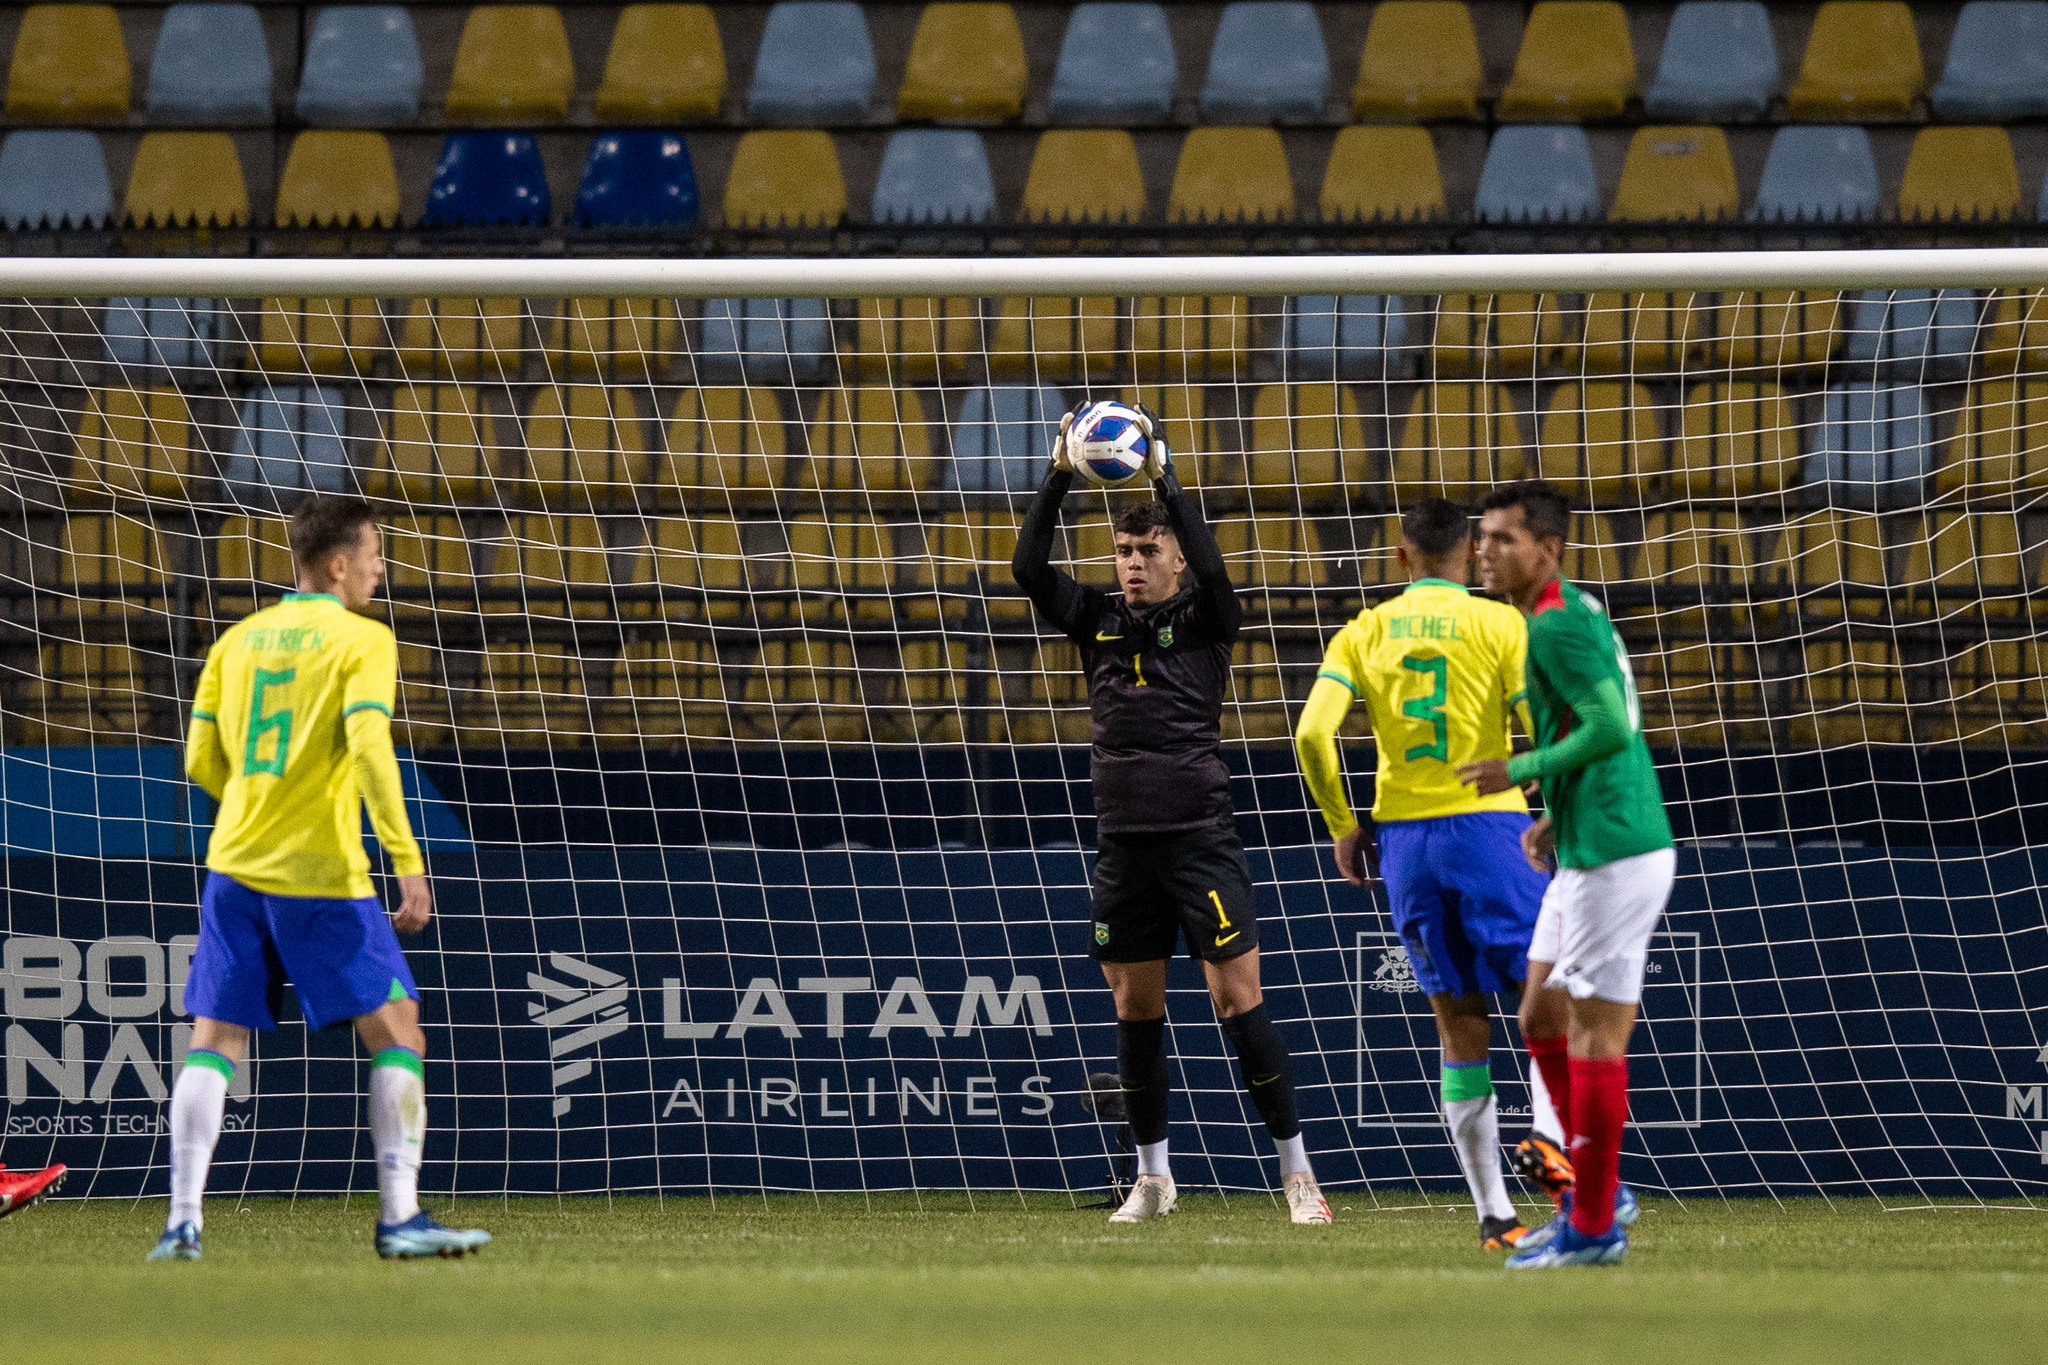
(901, 1278)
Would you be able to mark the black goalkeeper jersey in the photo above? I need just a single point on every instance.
(1157, 675)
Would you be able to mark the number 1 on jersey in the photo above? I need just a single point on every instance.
(280, 721)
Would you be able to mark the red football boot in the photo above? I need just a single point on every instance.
(19, 1189)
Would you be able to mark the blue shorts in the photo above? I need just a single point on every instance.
(342, 957)
(1464, 899)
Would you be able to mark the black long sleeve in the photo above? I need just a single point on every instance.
(1066, 605)
(1205, 558)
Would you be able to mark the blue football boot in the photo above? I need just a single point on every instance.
(1626, 1211)
(1572, 1247)
(180, 1243)
(420, 1235)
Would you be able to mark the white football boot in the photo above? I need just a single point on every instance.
(1305, 1202)
(1152, 1197)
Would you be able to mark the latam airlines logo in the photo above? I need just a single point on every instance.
(578, 1014)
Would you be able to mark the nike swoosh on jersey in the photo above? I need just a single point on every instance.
(1100, 636)
(1223, 939)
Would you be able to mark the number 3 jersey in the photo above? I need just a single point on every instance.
(1440, 673)
(272, 741)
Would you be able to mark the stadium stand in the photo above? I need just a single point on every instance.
(765, 341)
(1735, 441)
(1231, 175)
(186, 179)
(1818, 174)
(1960, 173)
(637, 179)
(916, 340)
(1085, 176)
(1913, 333)
(1576, 62)
(70, 65)
(1268, 62)
(934, 175)
(147, 339)
(2000, 448)
(728, 441)
(585, 450)
(1602, 440)
(211, 65)
(785, 178)
(488, 179)
(1997, 62)
(466, 338)
(816, 64)
(666, 64)
(1874, 445)
(320, 336)
(440, 447)
(1356, 336)
(1542, 174)
(1308, 444)
(53, 178)
(622, 338)
(135, 443)
(1457, 440)
(1719, 62)
(1003, 438)
(869, 441)
(1382, 173)
(1677, 174)
(966, 62)
(338, 178)
(512, 66)
(1116, 65)
(362, 67)
(1862, 60)
(1054, 338)
(288, 438)
(1421, 61)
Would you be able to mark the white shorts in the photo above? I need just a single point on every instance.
(1595, 925)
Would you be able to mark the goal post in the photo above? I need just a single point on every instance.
(756, 799)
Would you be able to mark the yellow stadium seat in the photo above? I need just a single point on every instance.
(1600, 439)
(1862, 60)
(564, 562)
(1054, 707)
(701, 566)
(1738, 441)
(80, 694)
(1592, 554)
(424, 717)
(1967, 564)
(1308, 447)
(966, 62)
(1675, 174)
(1056, 339)
(441, 445)
(668, 690)
(1084, 176)
(1576, 62)
(726, 448)
(916, 341)
(1840, 561)
(1181, 335)
(1231, 175)
(321, 336)
(1697, 550)
(2016, 335)
(1273, 553)
(108, 561)
(813, 689)
(1382, 173)
(1994, 695)
(1458, 441)
(1960, 173)
(1776, 329)
(134, 443)
(463, 338)
(965, 564)
(1257, 706)
(2000, 448)
(1856, 694)
(338, 179)
(70, 66)
(1421, 61)
(785, 177)
(512, 65)
(1374, 541)
(666, 65)
(613, 337)
(1184, 410)
(526, 697)
(253, 558)
(867, 442)
(584, 448)
(1489, 334)
(186, 179)
(430, 572)
(947, 702)
(1645, 333)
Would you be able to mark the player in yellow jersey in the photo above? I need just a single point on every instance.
(1440, 673)
(291, 734)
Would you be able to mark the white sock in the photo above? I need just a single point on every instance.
(1475, 1132)
(1152, 1159)
(1542, 1113)
(398, 1123)
(1293, 1157)
(197, 1104)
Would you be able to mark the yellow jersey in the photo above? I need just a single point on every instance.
(1440, 673)
(291, 733)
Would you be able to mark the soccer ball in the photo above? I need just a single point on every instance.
(1108, 444)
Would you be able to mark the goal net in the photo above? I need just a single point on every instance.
(756, 801)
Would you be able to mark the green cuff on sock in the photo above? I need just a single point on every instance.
(401, 1057)
(211, 1060)
(1467, 1081)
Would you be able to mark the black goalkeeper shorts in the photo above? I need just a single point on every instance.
(1151, 889)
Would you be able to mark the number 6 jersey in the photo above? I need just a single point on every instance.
(291, 733)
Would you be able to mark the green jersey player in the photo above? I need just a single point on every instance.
(1606, 831)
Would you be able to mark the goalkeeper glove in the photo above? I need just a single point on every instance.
(1062, 458)
(1158, 459)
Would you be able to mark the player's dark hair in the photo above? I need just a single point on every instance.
(1546, 511)
(323, 525)
(1436, 526)
(1142, 520)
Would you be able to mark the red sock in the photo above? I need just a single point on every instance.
(1599, 1112)
(1550, 1059)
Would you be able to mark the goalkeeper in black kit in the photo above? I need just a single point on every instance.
(1168, 860)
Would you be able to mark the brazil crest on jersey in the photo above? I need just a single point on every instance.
(1613, 808)
(1440, 672)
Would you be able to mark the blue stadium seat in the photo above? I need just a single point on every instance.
(817, 64)
(55, 178)
(288, 438)
(1541, 173)
(179, 337)
(1116, 65)
(1874, 446)
(1355, 336)
(212, 65)
(765, 341)
(1268, 61)
(1822, 174)
(362, 67)
(1997, 62)
(1913, 333)
(933, 175)
(1719, 61)
(488, 178)
(1004, 437)
(637, 179)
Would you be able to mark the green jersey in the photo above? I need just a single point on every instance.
(1599, 784)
